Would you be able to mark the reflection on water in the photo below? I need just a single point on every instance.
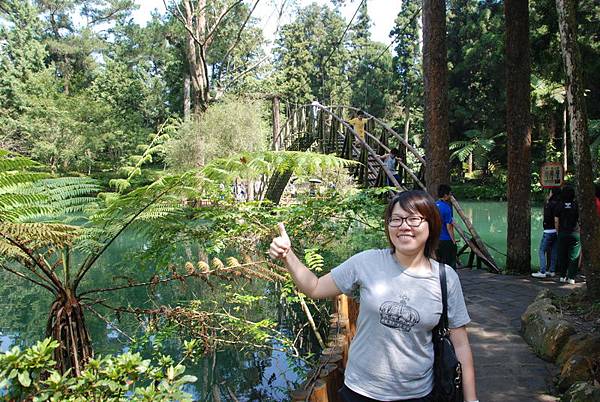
(489, 219)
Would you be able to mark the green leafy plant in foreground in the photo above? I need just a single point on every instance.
(30, 374)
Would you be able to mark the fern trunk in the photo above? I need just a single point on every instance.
(66, 324)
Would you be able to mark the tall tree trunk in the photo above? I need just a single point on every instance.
(404, 155)
(518, 128)
(588, 219)
(187, 101)
(565, 138)
(195, 50)
(276, 125)
(435, 71)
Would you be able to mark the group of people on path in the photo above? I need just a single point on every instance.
(560, 247)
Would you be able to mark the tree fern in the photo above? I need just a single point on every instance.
(252, 165)
(148, 150)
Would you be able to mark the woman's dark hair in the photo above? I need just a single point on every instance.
(567, 194)
(597, 190)
(417, 201)
(395, 152)
(555, 194)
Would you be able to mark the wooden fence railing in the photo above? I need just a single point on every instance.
(322, 383)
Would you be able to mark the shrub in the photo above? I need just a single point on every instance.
(30, 375)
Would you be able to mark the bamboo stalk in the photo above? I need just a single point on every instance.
(311, 321)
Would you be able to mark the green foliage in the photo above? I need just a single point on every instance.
(226, 128)
(372, 79)
(153, 149)
(128, 377)
(252, 165)
(473, 190)
(314, 261)
(476, 69)
(479, 145)
(407, 55)
(301, 51)
(58, 105)
(32, 205)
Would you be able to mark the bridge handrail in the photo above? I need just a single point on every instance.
(406, 168)
(388, 129)
(351, 129)
(367, 147)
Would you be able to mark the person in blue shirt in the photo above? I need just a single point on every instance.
(446, 252)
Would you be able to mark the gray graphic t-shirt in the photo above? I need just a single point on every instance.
(391, 355)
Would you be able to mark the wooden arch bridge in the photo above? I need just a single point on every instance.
(323, 129)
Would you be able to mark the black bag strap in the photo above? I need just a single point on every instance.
(444, 317)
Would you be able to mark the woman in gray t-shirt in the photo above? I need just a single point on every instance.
(391, 355)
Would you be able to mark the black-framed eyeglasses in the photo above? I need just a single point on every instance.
(413, 221)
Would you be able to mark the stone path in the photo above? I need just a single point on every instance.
(507, 370)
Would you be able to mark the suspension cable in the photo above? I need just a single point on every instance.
(402, 30)
(343, 34)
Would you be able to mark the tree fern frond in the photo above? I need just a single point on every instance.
(37, 235)
(10, 251)
(10, 181)
(458, 144)
(463, 153)
(253, 164)
(9, 163)
(119, 184)
(10, 201)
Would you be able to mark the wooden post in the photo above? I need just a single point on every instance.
(332, 350)
(332, 359)
(339, 341)
(476, 239)
(333, 378)
(319, 392)
(300, 395)
(276, 125)
(353, 310)
(342, 310)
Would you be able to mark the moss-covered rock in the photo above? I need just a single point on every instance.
(544, 329)
(581, 344)
(582, 392)
(576, 368)
(545, 294)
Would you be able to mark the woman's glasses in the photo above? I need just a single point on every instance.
(412, 221)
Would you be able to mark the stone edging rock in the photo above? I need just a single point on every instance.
(555, 339)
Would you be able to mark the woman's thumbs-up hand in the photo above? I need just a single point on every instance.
(281, 245)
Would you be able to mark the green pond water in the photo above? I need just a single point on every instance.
(251, 376)
(489, 219)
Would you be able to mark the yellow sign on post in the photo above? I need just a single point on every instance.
(551, 175)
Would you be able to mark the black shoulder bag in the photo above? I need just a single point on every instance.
(447, 371)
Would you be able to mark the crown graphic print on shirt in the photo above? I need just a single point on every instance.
(398, 315)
